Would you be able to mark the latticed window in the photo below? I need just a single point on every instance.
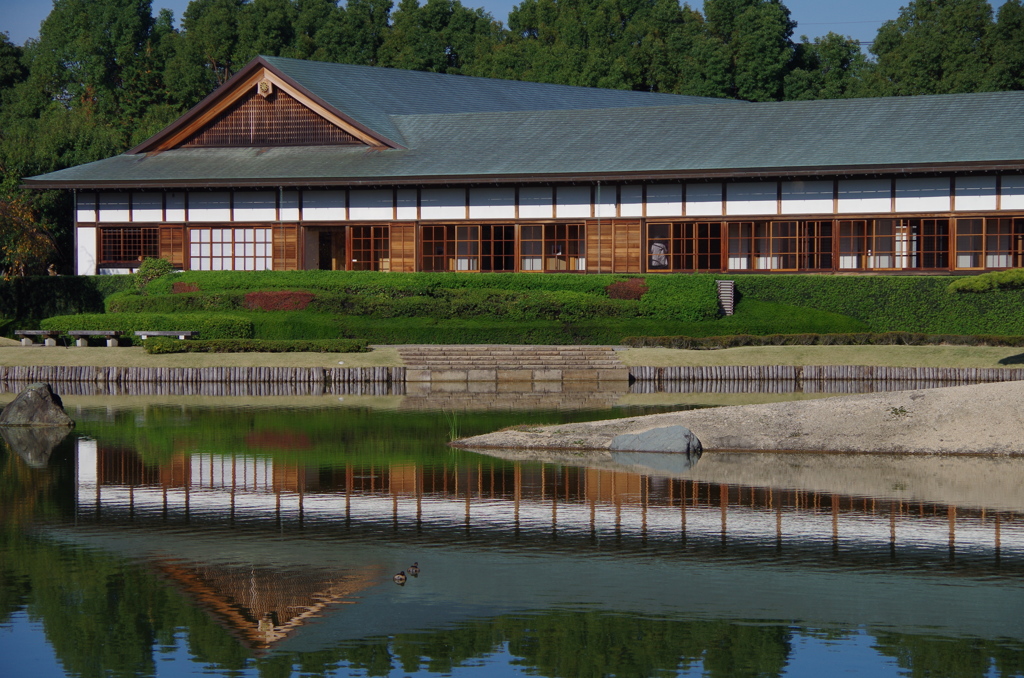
(230, 249)
(684, 246)
(126, 244)
(371, 248)
(552, 247)
(989, 243)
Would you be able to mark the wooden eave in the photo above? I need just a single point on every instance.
(777, 173)
(238, 86)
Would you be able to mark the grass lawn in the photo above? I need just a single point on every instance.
(893, 356)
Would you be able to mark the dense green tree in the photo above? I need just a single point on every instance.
(315, 24)
(757, 34)
(264, 27)
(1006, 48)
(441, 36)
(830, 67)
(363, 27)
(933, 47)
(211, 34)
(12, 70)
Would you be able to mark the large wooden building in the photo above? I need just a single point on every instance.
(304, 165)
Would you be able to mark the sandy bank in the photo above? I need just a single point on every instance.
(981, 419)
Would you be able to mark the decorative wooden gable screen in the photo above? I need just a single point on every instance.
(276, 119)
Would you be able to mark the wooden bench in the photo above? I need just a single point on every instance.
(48, 336)
(180, 334)
(80, 336)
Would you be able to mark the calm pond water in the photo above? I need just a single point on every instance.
(259, 537)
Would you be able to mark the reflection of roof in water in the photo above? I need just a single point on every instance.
(261, 606)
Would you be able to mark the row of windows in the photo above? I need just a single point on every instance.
(830, 245)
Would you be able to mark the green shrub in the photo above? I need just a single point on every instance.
(149, 270)
(854, 339)
(170, 345)
(43, 296)
(986, 282)
(887, 303)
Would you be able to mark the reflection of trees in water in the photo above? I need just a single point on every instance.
(107, 616)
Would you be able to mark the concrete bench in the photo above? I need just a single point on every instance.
(49, 336)
(145, 334)
(81, 335)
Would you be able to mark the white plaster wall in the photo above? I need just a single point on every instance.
(807, 197)
(761, 197)
(147, 207)
(85, 207)
(289, 206)
(572, 201)
(492, 203)
(631, 201)
(85, 252)
(323, 206)
(665, 200)
(376, 205)
(87, 462)
(213, 206)
(407, 206)
(255, 206)
(443, 203)
(1011, 192)
(114, 207)
(859, 196)
(927, 194)
(536, 202)
(704, 200)
(606, 201)
(174, 206)
(975, 193)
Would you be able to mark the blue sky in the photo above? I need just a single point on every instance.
(860, 20)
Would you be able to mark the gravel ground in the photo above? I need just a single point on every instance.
(981, 419)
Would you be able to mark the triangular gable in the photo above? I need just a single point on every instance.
(261, 108)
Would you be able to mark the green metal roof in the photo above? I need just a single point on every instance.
(372, 95)
(848, 136)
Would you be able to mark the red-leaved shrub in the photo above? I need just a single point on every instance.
(631, 288)
(184, 287)
(278, 301)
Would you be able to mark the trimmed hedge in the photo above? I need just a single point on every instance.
(170, 345)
(893, 303)
(209, 325)
(26, 300)
(986, 282)
(677, 298)
(854, 339)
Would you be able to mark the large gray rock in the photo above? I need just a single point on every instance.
(678, 439)
(657, 463)
(37, 405)
(34, 444)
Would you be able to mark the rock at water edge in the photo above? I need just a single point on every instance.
(37, 405)
(678, 439)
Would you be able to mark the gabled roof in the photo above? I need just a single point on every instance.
(456, 129)
(363, 98)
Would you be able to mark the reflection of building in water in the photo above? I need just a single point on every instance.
(495, 496)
